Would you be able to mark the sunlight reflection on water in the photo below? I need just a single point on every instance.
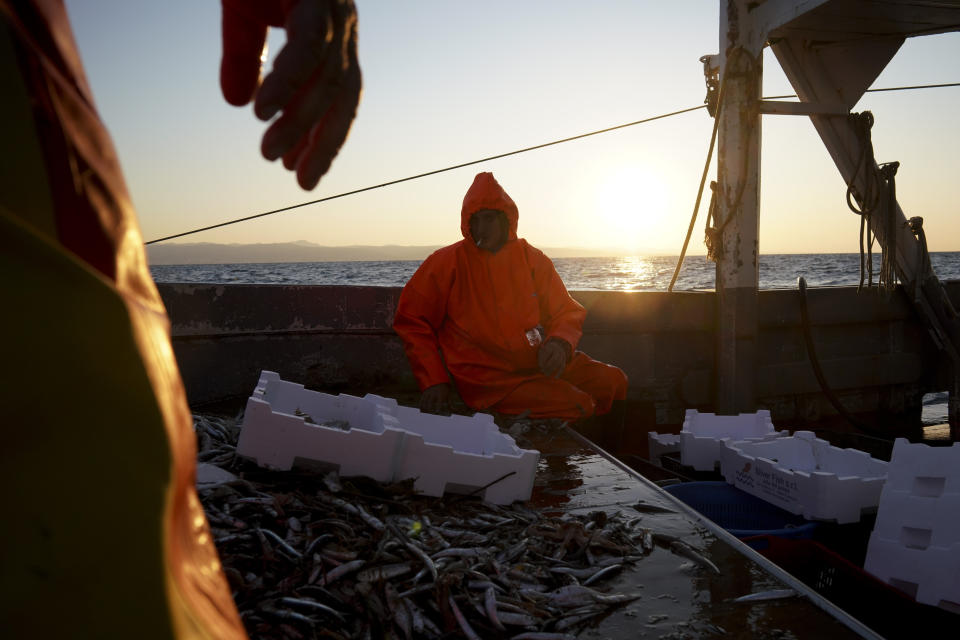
(579, 274)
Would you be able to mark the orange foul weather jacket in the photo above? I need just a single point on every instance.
(482, 316)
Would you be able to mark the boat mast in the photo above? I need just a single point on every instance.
(740, 65)
(831, 51)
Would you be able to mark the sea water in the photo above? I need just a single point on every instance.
(607, 274)
(579, 274)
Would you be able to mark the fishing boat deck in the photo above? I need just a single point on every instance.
(682, 599)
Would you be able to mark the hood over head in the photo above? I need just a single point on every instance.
(486, 193)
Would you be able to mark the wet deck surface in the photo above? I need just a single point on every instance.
(681, 599)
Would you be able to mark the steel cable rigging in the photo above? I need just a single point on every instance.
(489, 158)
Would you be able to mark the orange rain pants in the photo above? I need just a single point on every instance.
(104, 535)
(480, 318)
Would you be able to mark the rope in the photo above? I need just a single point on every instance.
(818, 372)
(713, 235)
(703, 179)
(428, 173)
(495, 157)
(876, 205)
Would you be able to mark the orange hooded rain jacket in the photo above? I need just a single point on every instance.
(480, 317)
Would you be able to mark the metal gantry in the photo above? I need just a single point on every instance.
(831, 51)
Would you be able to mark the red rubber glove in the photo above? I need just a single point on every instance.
(314, 85)
(552, 357)
(436, 399)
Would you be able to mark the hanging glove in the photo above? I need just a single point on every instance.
(314, 85)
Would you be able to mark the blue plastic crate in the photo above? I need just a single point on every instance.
(740, 513)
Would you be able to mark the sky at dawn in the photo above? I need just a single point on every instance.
(449, 81)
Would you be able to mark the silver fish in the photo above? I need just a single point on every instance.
(681, 548)
(763, 596)
(490, 607)
(342, 570)
(603, 573)
(386, 572)
(313, 605)
(462, 621)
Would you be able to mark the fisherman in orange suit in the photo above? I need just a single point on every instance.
(104, 534)
(490, 315)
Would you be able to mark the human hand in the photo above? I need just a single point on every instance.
(314, 84)
(552, 358)
(436, 399)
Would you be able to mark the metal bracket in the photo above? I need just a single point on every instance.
(711, 75)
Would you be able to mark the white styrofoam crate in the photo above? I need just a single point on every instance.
(918, 521)
(703, 435)
(924, 470)
(277, 430)
(374, 436)
(915, 544)
(660, 444)
(931, 576)
(807, 476)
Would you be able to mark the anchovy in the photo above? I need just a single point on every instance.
(603, 573)
(373, 521)
(579, 574)
(762, 596)
(512, 553)
(573, 620)
(312, 604)
(284, 614)
(461, 552)
(647, 541)
(417, 551)
(490, 606)
(387, 572)
(517, 619)
(332, 482)
(398, 607)
(415, 590)
(342, 570)
(646, 507)
(317, 541)
(338, 556)
(462, 621)
(281, 543)
(681, 548)
(543, 635)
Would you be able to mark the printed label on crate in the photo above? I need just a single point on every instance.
(762, 482)
(743, 478)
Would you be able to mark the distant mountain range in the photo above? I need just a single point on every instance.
(212, 253)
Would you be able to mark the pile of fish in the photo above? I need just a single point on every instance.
(310, 555)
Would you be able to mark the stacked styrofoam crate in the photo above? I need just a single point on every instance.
(704, 435)
(807, 476)
(915, 544)
(660, 444)
(373, 436)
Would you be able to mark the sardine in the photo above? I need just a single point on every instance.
(763, 596)
(398, 609)
(386, 572)
(281, 543)
(313, 606)
(603, 573)
(460, 552)
(490, 607)
(681, 548)
(338, 572)
(462, 621)
(646, 507)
